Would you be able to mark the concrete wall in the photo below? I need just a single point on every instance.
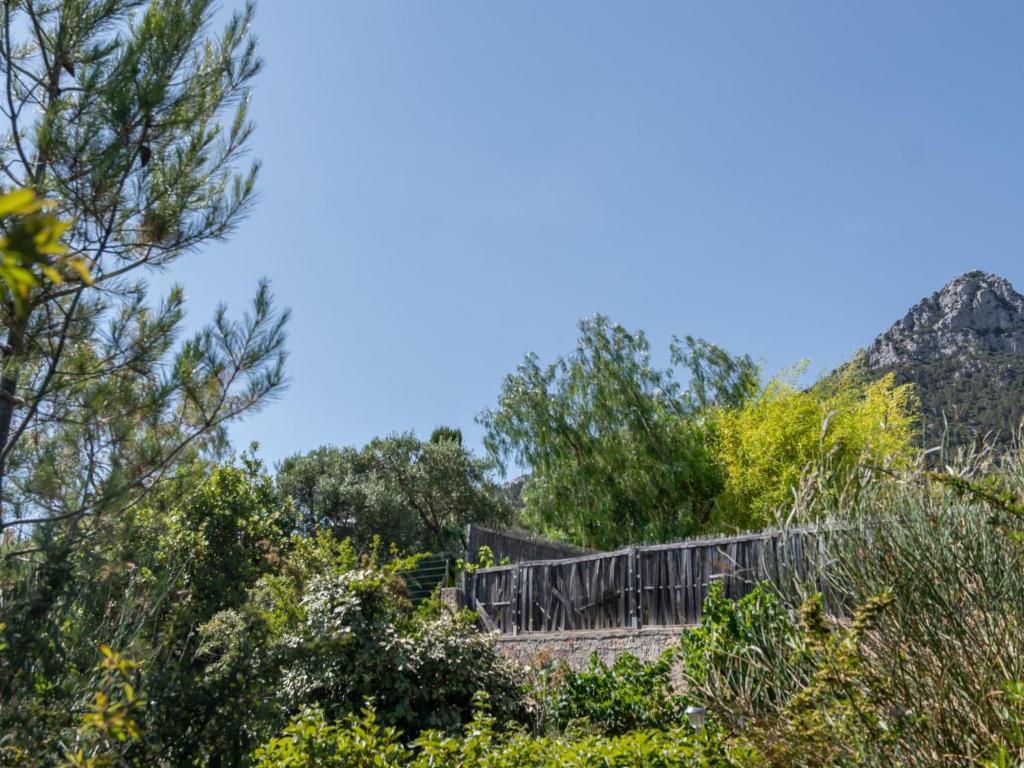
(575, 648)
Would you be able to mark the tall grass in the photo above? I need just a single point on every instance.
(925, 675)
(950, 638)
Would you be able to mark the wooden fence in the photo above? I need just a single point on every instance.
(658, 585)
(515, 546)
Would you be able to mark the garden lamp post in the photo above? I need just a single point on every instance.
(696, 717)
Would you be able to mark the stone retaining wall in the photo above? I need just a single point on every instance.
(538, 649)
(575, 648)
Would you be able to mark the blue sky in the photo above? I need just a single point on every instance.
(449, 185)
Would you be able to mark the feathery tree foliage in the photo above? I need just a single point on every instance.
(618, 452)
(132, 118)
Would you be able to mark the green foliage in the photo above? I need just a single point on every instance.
(745, 657)
(310, 741)
(449, 434)
(770, 443)
(230, 531)
(111, 723)
(31, 252)
(800, 693)
(717, 379)
(160, 583)
(359, 639)
(842, 715)
(130, 119)
(969, 401)
(617, 453)
(485, 559)
(1008, 754)
(416, 495)
(948, 641)
(927, 569)
(354, 743)
(630, 695)
(236, 622)
(213, 541)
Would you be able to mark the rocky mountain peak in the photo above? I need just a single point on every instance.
(976, 312)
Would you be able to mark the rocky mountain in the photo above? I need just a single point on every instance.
(963, 349)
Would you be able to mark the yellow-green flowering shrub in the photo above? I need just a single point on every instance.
(769, 443)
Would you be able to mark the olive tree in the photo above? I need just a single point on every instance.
(416, 494)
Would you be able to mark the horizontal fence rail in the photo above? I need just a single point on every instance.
(658, 585)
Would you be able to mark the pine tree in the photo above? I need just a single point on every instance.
(132, 118)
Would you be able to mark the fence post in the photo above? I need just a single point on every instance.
(635, 588)
(630, 590)
(517, 602)
(470, 556)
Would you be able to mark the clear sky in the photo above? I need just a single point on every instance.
(448, 185)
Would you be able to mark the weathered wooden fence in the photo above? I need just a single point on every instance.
(658, 585)
(515, 546)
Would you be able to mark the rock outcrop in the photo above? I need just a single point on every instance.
(975, 313)
(963, 350)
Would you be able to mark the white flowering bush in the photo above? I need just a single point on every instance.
(361, 641)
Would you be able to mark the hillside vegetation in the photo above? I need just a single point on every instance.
(166, 600)
(970, 401)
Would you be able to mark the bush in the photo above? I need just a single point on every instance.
(925, 670)
(309, 740)
(360, 639)
(149, 584)
(746, 657)
(950, 640)
(416, 495)
(800, 693)
(629, 695)
(768, 444)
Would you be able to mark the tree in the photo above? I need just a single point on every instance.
(131, 119)
(617, 452)
(333, 489)
(767, 445)
(717, 379)
(415, 494)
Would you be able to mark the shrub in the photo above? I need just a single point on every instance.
(926, 669)
(768, 444)
(158, 583)
(950, 640)
(357, 742)
(310, 741)
(746, 657)
(360, 639)
(801, 693)
(627, 696)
